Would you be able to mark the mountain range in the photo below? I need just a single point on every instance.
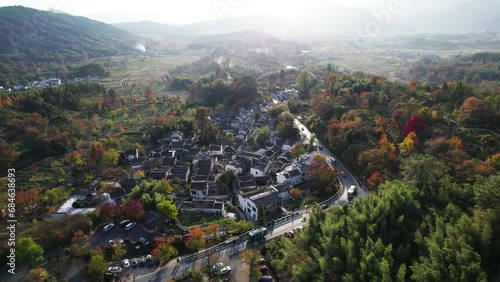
(33, 38)
(327, 17)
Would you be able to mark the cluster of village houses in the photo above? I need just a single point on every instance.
(50, 82)
(252, 186)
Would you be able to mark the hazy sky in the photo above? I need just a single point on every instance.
(190, 11)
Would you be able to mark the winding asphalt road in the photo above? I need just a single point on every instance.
(348, 179)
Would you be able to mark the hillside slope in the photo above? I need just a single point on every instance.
(34, 38)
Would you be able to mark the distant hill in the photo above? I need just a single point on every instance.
(319, 18)
(246, 39)
(32, 38)
(467, 17)
(145, 28)
(474, 68)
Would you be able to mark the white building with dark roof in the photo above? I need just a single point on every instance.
(205, 206)
(271, 202)
(294, 174)
(198, 189)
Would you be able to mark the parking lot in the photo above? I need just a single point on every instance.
(101, 238)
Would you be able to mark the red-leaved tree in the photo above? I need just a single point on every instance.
(107, 212)
(134, 210)
(415, 124)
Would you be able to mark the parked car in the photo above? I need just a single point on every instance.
(149, 261)
(115, 269)
(289, 234)
(124, 222)
(134, 262)
(324, 206)
(144, 241)
(297, 228)
(130, 225)
(142, 261)
(224, 270)
(217, 266)
(108, 227)
(261, 261)
(343, 174)
(263, 268)
(122, 243)
(266, 278)
(111, 243)
(126, 263)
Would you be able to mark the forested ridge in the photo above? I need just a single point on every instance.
(47, 122)
(34, 39)
(474, 68)
(429, 154)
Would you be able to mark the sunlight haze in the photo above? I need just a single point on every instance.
(191, 11)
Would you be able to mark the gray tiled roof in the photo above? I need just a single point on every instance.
(266, 198)
(199, 185)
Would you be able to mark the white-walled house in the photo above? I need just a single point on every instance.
(294, 176)
(205, 206)
(283, 190)
(271, 202)
(260, 168)
(295, 173)
(215, 150)
(235, 167)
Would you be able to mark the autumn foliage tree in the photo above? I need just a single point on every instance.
(149, 95)
(164, 249)
(195, 240)
(323, 176)
(107, 212)
(111, 157)
(96, 153)
(80, 244)
(415, 124)
(296, 194)
(409, 144)
(297, 150)
(206, 130)
(75, 158)
(38, 274)
(28, 199)
(134, 210)
(213, 230)
(375, 179)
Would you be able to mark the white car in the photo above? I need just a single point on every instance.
(217, 266)
(115, 269)
(297, 228)
(130, 226)
(224, 270)
(126, 263)
(108, 227)
(124, 222)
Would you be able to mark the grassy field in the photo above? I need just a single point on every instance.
(142, 71)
